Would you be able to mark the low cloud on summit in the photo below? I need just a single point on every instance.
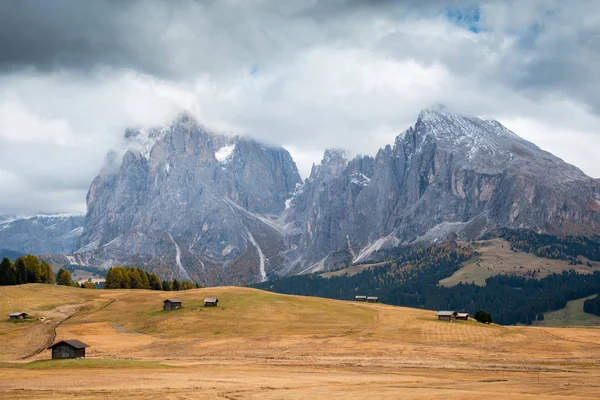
(305, 75)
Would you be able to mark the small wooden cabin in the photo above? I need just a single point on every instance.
(372, 299)
(360, 298)
(463, 316)
(68, 349)
(171, 304)
(447, 315)
(17, 315)
(211, 302)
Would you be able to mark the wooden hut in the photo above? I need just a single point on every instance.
(171, 304)
(68, 349)
(372, 299)
(17, 315)
(211, 302)
(360, 298)
(463, 316)
(447, 315)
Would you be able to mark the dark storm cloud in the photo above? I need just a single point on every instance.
(55, 34)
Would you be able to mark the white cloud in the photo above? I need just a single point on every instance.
(306, 76)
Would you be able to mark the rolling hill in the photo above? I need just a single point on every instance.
(258, 344)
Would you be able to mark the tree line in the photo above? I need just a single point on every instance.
(136, 278)
(25, 269)
(411, 278)
(30, 269)
(553, 247)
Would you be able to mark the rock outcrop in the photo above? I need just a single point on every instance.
(448, 175)
(190, 204)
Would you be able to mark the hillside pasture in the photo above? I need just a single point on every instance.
(571, 315)
(497, 258)
(261, 345)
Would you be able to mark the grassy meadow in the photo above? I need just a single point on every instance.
(261, 345)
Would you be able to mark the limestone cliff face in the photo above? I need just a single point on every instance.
(447, 175)
(228, 210)
(185, 202)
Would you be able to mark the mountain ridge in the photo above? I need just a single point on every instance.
(225, 209)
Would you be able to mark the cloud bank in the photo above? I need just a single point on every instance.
(305, 75)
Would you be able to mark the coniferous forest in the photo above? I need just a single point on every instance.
(410, 277)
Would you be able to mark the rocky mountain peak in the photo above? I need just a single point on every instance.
(333, 163)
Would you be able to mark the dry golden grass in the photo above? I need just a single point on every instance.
(497, 258)
(260, 345)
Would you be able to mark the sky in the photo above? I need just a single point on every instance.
(307, 75)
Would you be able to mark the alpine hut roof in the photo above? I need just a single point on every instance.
(16, 314)
(173, 300)
(211, 300)
(446, 313)
(72, 342)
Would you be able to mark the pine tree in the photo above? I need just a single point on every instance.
(21, 270)
(135, 278)
(63, 277)
(8, 272)
(145, 279)
(176, 285)
(47, 273)
(33, 268)
(154, 282)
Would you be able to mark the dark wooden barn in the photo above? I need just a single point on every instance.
(171, 304)
(211, 302)
(17, 315)
(463, 316)
(68, 349)
(373, 299)
(360, 298)
(447, 315)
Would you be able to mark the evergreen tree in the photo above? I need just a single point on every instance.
(8, 272)
(88, 285)
(135, 279)
(145, 279)
(187, 285)
(154, 282)
(33, 268)
(167, 286)
(175, 285)
(21, 276)
(47, 273)
(63, 277)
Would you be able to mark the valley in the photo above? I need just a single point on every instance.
(263, 345)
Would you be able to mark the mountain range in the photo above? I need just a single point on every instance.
(189, 203)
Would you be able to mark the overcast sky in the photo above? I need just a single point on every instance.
(303, 74)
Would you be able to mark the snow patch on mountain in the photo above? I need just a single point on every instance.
(144, 139)
(297, 191)
(223, 155)
(360, 179)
